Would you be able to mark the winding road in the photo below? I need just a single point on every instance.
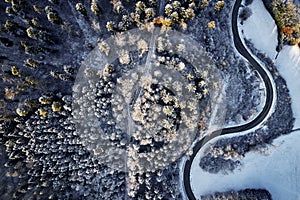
(264, 113)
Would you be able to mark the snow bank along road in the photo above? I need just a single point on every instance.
(264, 113)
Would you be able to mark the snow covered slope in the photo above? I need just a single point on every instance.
(276, 169)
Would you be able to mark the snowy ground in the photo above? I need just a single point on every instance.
(277, 169)
(261, 29)
(288, 63)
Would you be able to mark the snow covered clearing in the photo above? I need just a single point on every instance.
(277, 169)
(260, 29)
(288, 63)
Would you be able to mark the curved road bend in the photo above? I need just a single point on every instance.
(269, 100)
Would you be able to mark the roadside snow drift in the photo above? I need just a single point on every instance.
(276, 169)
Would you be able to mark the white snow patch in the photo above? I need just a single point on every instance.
(261, 29)
(277, 170)
(288, 63)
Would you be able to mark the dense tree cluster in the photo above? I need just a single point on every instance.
(149, 109)
(245, 13)
(44, 155)
(217, 43)
(253, 194)
(47, 159)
